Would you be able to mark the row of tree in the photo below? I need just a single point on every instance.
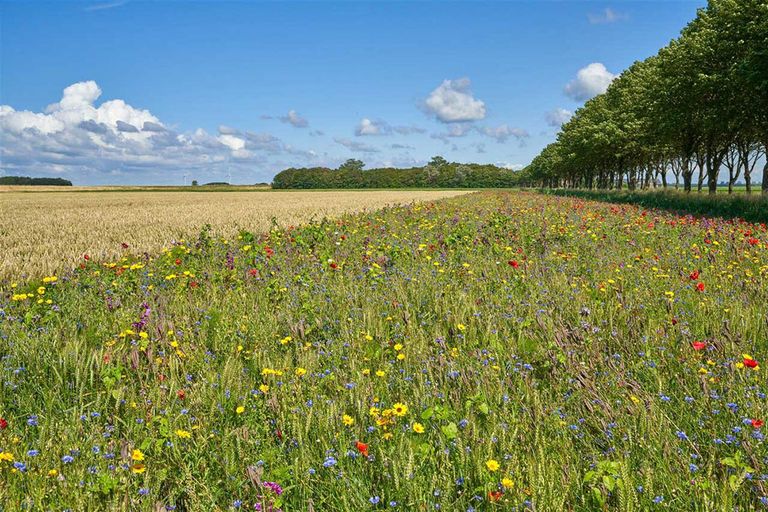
(697, 107)
(438, 173)
(26, 180)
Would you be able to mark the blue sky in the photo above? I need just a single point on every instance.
(245, 89)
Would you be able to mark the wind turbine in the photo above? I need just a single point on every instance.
(185, 179)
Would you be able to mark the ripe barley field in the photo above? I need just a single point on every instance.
(47, 232)
(505, 351)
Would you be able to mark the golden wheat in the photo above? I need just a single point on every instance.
(42, 233)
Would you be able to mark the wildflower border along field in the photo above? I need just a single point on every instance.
(42, 233)
(494, 351)
(753, 208)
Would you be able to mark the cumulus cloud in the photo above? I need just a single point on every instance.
(510, 166)
(556, 118)
(590, 81)
(607, 15)
(503, 132)
(408, 130)
(369, 127)
(355, 146)
(294, 119)
(453, 131)
(77, 137)
(453, 102)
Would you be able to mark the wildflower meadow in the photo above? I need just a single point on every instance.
(492, 351)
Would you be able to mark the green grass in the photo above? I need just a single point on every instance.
(550, 336)
(753, 208)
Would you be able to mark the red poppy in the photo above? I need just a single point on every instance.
(750, 363)
(674, 321)
(178, 261)
(181, 394)
(253, 272)
(699, 345)
(757, 423)
(753, 241)
(193, 284)
(3, 424)
(333, 265)
(700, 286)
(694, 275)
(279, 434)
(362, 448)
(495, 495)
(513, 263)
(86, 257)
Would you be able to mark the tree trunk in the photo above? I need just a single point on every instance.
(687, 175)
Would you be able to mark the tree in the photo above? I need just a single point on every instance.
(194, 183)
(352, 165)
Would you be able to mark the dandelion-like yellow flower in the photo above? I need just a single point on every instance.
(138, 468)
(264, 388)
(183, 434)
(301, 371)
(240, 409)
(348, 420)
(137, 455)
(400, 409)
(492, 465)
(508, 483)
(418, 428)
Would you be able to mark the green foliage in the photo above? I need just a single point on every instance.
(702, 100)
(437, 174)
(26, 180)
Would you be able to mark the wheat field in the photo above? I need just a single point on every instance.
(43, 233)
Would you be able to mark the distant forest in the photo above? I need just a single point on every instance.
(438, 173)
(26, 180)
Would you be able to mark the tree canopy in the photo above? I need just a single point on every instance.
(699, 104)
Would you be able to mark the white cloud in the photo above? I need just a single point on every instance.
(607, 15)
(453, 102)
(368, 127)
(590, 81)
(78, 138)
(510, 166)
(503, 132)
(294, 119)
(355, 146)
(556, 118)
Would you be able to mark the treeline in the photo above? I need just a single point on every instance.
(700, 105)
(438, 173)
(26, 180)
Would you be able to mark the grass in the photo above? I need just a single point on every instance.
(753, 208)
(493, 351)
(45, 232)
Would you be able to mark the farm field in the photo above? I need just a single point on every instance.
(492, 351)
(45, 232)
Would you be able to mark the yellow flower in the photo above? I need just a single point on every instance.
(400, 356)
(387, 435)
(137, 455)
(183, 434)
(41, 290)
(398, 347)
(348, 420)
(301, 371)
(492, 465)
(418, 428)
(508, 483)
(286, 340)
(138, 468)
(264, 388)
(366, 371)
(400, 409)
(52, 473)
(6, 456)
(380, 373)
(461, 327)
(374, 411)
(240, 409)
